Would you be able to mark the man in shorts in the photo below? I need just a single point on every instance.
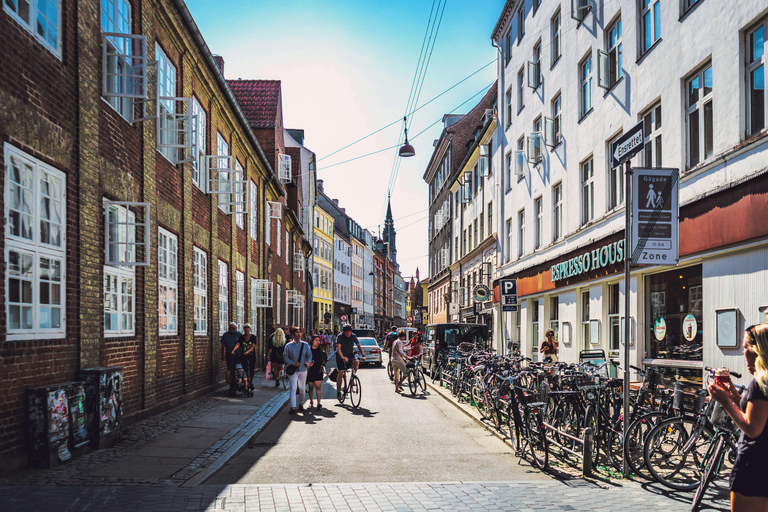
(398, 361)
(345, 357)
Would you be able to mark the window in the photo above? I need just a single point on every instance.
(167, 281)
(490, 217)
(557, 120)
(520, 23)
(520, 89)
(477, 238)
(556, 51)
(35, 254)
(508, 99)
(482, 226)
(470, 246)
(201, 291)
(119, 284)
(587, 191)
(222, 149)
(615, 71)
(652, 130)
(520, 232)
(520, 159)
(538, 229)
(557, 214)
(508, 160)
(687, 4)
(223, 297)
(278, 307)
(238, 196)
(255, 301)
(580, 9)
(508, 51)
(615, 180)
(287, 248)
(585, 77)
(535, 324)
(756, 78)
(536, 5)
(554, 316)
(613, 316)
(254, 217)
(535, 141)
(166, 88)
(518, 330)
(650, 21)
(198, 166)
(699, 116)
(508, 245)
(585, 319)
(534, 67)
(240, 299)
(116, 18)
(41, 17)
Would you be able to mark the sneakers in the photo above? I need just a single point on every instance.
(319, 407)
(301, 407)
(292, 411)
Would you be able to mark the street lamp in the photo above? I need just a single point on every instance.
(406, 149)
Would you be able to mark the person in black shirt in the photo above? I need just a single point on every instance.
(316, 372)
(345, 357)
(749, 491)
(230, 352)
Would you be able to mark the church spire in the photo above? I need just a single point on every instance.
(389, 232)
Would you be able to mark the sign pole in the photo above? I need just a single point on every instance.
(627, 323)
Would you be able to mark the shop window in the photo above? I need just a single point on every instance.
(535, 324)
(585, 327)
(674, 315)
(554, 316)
(614, 321)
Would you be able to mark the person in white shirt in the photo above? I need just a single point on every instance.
(398, 361)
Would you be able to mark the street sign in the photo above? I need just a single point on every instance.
(417, 315)
(655, 214)
(343, 318)
(508, 286)
(505, 308)
(510, 300)
(409, 319)
(327, 316)
(481, 293)
(628, 145)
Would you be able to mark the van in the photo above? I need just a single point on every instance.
(441, 338)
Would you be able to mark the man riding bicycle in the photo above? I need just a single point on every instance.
(345, 357)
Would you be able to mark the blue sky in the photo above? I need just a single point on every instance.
(346, 69)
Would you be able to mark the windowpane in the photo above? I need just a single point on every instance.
(757, 100)
(756, 44)
(693, 137)
(708, 130)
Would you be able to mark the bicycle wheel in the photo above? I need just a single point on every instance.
(590, 421)
(422, 380)
(537, 440)
(436, 373)
(614, 445)
(412, 381)
(567, 420)
(456, 384)
(477, 396)
(355, 391)
(711, 463)
(665, 458)
(636, 434)
(343, 395)
(511, 419)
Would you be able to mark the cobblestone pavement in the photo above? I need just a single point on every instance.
(398, 497)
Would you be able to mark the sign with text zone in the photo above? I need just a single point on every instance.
(655, 206)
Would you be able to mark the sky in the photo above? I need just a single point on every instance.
(347, 70)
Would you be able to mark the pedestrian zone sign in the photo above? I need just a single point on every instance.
(655, 216)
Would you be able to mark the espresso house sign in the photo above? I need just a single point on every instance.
(589, 261)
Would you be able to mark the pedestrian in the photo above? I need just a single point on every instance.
(247, 343)
(230, 351)
(749, 475)
(398, 361)
(275, 354)
(316, 371)
(298, 357)
(549, 347)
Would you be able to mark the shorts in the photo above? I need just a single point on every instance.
(399, 366)
(341, 365)
(749, 474)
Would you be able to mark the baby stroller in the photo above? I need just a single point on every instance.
(241, 381)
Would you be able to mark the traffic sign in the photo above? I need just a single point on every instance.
(655, 213)
(409, 319)
(508, 286)
(628, 145)
(510, 300)
(505, 308)
(343, 318)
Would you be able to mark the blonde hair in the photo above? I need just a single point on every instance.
(758, 343)
(278, 339)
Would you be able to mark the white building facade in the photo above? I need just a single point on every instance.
(571, 81)
(367, 320)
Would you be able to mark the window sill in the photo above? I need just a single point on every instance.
(584, 116)
(648, 51)
(611, 88)
(557, 145)
(520, 109)
(555, 62)
(687, 13)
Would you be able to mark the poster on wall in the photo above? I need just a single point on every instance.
(690, 328)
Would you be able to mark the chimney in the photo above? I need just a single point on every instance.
(335, 201)
(320, 185)
(343, 210)
(219, 60)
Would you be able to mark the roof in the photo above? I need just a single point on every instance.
(259, 100)
(506, 14)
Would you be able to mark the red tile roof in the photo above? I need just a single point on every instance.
(258, 99)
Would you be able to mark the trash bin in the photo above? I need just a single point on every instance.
(56, 423)
(103, 404)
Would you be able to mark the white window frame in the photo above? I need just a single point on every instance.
(535, 143)
(166, 107)
(125, 238)
(254, 212)
(556, 49)
(580, 9)
(698, 111)
(261, 293)
(520, 90)
(520, 233)
(538, 218)
(520, 159)
(757, 62)
(520, 23)
(240, 299)
(585, 85)
(553, 125)
(124, 58)
(200, 277)
(652, 126)
(508, 256)
(534, 67)
(200, 164)
(650, 24)
(122, 298)
(585, 319)
(167, 282)
(615, 179)
(615, 53)
(284, 168)
(587, 190)
(557, 211)
(287, 248)
(31, 25)
(31, 244)
(299, 262)
(239, 198)
(223, 292)
(278, 304)
(278, 238)
(614, 316)
(508, 99)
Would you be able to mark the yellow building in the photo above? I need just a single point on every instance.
(322, 272)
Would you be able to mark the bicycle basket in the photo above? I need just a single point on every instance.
(718, 416)
(465, 348)
(677, 397)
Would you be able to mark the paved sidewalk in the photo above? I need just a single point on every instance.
(182, 446)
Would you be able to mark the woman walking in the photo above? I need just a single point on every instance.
(316, 371)
(247, 343)
(276, 347)
(298, 357)
(749, 475)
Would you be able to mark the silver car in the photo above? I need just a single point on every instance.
(372, 350)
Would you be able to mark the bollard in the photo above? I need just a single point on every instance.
(588, 440)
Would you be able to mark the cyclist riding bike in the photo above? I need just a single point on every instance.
(345, 357)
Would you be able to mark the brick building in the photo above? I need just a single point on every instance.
(125, 155)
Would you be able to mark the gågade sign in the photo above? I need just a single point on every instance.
(590, 260)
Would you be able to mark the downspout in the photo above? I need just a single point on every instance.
(502, 176)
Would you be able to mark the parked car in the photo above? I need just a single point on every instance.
(372, 350)
(364, 333)
(441, 338)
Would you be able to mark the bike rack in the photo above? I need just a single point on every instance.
(587, 442)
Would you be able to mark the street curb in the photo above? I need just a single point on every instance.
(262, 418)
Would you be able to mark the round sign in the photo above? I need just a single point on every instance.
(690, 328)
(660, 328)
(343, 318)
(481, 293)
(409, 319)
